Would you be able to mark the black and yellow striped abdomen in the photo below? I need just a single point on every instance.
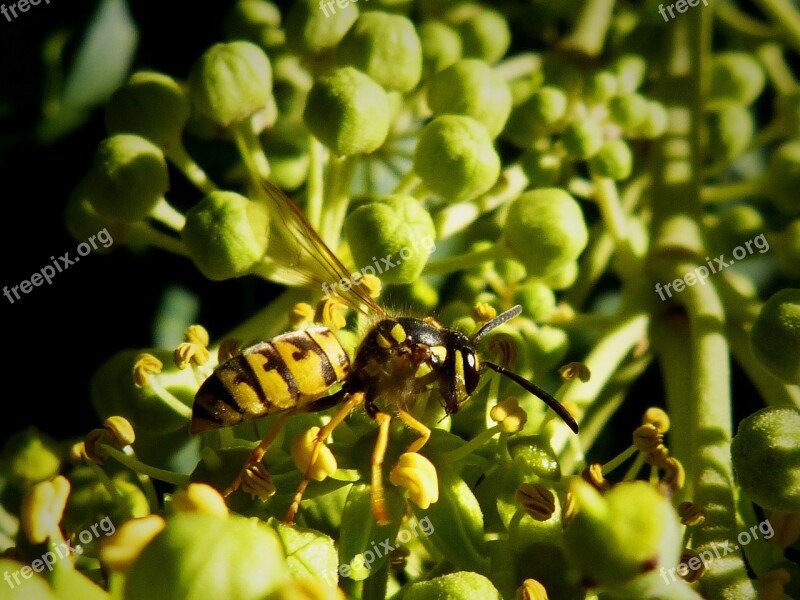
(286, 372)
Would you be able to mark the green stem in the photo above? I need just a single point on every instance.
(163, 212)
(252, 153)
(146, 483)
(634, 469)
(180, 158)
(337, 197)
(589, 34)
(618, 460)
(712, 194)
(136, 465)
(143, 233)
(614, 217)
(784, 14)
(779, 73)
(315, 185)
(462, 452)
(475, 258)
(732, 16)
(169, 399)
(519, 65)
(106, 481)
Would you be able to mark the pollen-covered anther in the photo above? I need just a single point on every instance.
(372, 284)
(301, 314)
(196, 334)
(199, 498)
(575, 370)
(121, 431)
(121, 550)
(484, 312)
(675, 476)
(189, 352)
(417, 474)
(42, 509)
(647, 438)
(324, 463)
(691, 514)
(257, 482)
(229, 348)
(145, 366)
(692, 574)
(594, 474)
(330, 312)
(93, 444)
(657, 418)
(509, 414)
(569, 509)
(77, 454)
(538, 501)
(531, 590)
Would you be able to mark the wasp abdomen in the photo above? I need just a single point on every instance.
(274, 376)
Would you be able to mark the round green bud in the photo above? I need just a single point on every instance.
(314, 29)
(630, 70)
(463, 585)
(391, 238)
(441, 45)
(230, 82)
(485, 35)
(736, 76)
(348, 112)
(226, 235)
(740, 223)
(783, 178)
(545, 108)
(257, 21)
(633, 523)
(655, 123)
(471, 87)
(418, 294)
(244, 562)
(614, 160)
(545, 230)
(152, 105)
(537, 300)
(766, 457)
(455, 157)
(563, 277)
(127, 179)
(542, 168)
(385, 47)
(728, 128)
(601, 87)
(82, 220)
(789, 250)
(629, 110)
(775, 336)
(29, 457)
(547, 346)
(583, 138)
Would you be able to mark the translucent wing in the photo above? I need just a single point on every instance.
(308, 258)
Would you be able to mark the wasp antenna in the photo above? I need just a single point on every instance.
(534, 389)
(512, 312)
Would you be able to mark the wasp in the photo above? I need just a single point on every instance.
(398, 359)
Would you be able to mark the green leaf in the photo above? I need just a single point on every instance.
(309, 554)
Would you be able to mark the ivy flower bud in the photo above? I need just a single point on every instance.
(601, 87)
(396, 228)
(152, 105)
(302, 452)
(545, 230)
(766, 457)
(630, 70)
(230, 82)
(583, 138)
(462, 585)
(531, 590)
(783, 178)
(312, 31)
(42, 509)
(545, 108)
(728, 129)
(127, 179)
(655, 122)
(628, 110)
(200, 498)
(471, 87)
(29, 457)
(257, 21)
(385, 47)
(775, 336)
(441, 45)
(455, 158)
(348, 111)
(538, 501)
(614, 159)
(226, 235)
(736, 76)
(417, 474)
(484, 34)
(119, 551)
(537, 300)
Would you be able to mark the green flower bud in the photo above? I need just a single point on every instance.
(485, 35)
(82, 220)
(629, 110)
(542, 168)
(418, 294)
(30, 457)
(736, 76)
(397, 228)
(230, 82)
(583, 138)
(547, 346)
(385, 47)
(313, 30)
(470, 87)
(783, 178)
(728, 128)
(544, 109)
(545, 230)
(464, 585)
(536, 454)
(739, 224)
(348, 111)
(537, 300)
(244, 560)
(775, 336)
(441, 45)
(563, 277)
(226, 235)
(628, 533)
(630, 70)
(152, 105)
(455, 158)
(789, 250)
(766, 457)
(113, 393)
(127, 179)
(655, 123)
(601, 87)
(256, 21)
(614, 160)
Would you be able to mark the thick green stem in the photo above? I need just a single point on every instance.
(589, 34)
(140, 467)
(452, 264)
(166, 214)
(252, 153)
(784, 14)
(180, 158)
(143, 233)
(337, 197)
(315, 185)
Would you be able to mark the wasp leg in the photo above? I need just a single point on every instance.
(352, 402)
(258, 454)
(378, 503)
(412, 423)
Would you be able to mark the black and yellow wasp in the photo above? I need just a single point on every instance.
(398, 359)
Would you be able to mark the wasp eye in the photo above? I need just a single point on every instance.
(471, 375)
